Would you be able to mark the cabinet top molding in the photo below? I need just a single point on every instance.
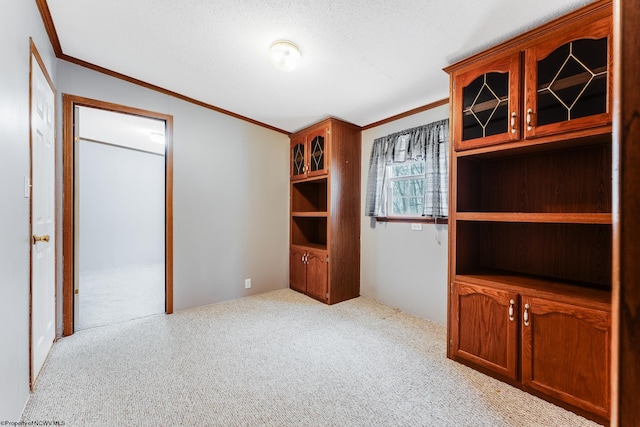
(321, 123)
(596, 10)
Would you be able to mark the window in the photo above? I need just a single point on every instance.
(408, 174)
(406, 189)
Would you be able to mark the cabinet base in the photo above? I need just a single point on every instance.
(329, 301)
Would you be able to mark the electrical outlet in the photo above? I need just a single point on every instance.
(416, 227)
(247, 283)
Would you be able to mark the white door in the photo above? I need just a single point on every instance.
(42, 218)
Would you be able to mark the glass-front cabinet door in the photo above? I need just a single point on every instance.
(298, 159)
(568, 81)
(486, 104)
(317, 146)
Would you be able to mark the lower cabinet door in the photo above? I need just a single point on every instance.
(297, 270)
(317, 274)
(565, 352)
(485, 327)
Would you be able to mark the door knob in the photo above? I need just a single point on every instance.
(37, 239)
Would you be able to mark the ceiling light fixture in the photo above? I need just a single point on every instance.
(285, 55)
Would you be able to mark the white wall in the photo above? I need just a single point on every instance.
(19, 20)
(230, 193)
(121, 207)
(399, 267)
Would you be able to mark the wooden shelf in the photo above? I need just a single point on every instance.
(598, 297)
(551, 218)
(309, 214)
(311, 246)
(574, 139)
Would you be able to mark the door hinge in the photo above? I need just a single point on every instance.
(451, 344)
(326, 296)
(451, 287)
(327, 258)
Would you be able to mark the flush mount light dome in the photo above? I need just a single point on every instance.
(285, 55)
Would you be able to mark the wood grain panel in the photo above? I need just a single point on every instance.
(317, 274)
(309, 196)
(345, 191)
(483, 333)
(571, 252)
(549, 218)
(626, 357)
(67, 215)
(552, 182)
(308, 231)
(568, 252)
(297, 270)
(565, 353)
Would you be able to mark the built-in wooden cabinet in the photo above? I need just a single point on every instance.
(530, 223)
(567, 79)
(551, 338)
(486, 103)
(297, 269)
(566, 348)
(308, 272)
(309, 156)
(484, 329)
(558, 83)
(324, 257)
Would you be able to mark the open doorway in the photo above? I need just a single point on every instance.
(118, 167)
(119, 217)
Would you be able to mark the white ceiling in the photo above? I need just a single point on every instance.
(124, 130)
(363, 60)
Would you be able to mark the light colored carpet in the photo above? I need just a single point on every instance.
(119, 294)
(276, 359)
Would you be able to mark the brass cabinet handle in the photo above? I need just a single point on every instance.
(525, 315)
(511, 304)
(529, 119)
(513, 122)
(37, 239)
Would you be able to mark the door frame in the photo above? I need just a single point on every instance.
(69, 103)
(33, 53)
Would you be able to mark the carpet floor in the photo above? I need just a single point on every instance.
(119, 294)
(276, 359)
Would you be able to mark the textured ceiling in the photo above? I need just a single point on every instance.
(363, 60)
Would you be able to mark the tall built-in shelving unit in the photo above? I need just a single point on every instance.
(530, 250)
(325, 211)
